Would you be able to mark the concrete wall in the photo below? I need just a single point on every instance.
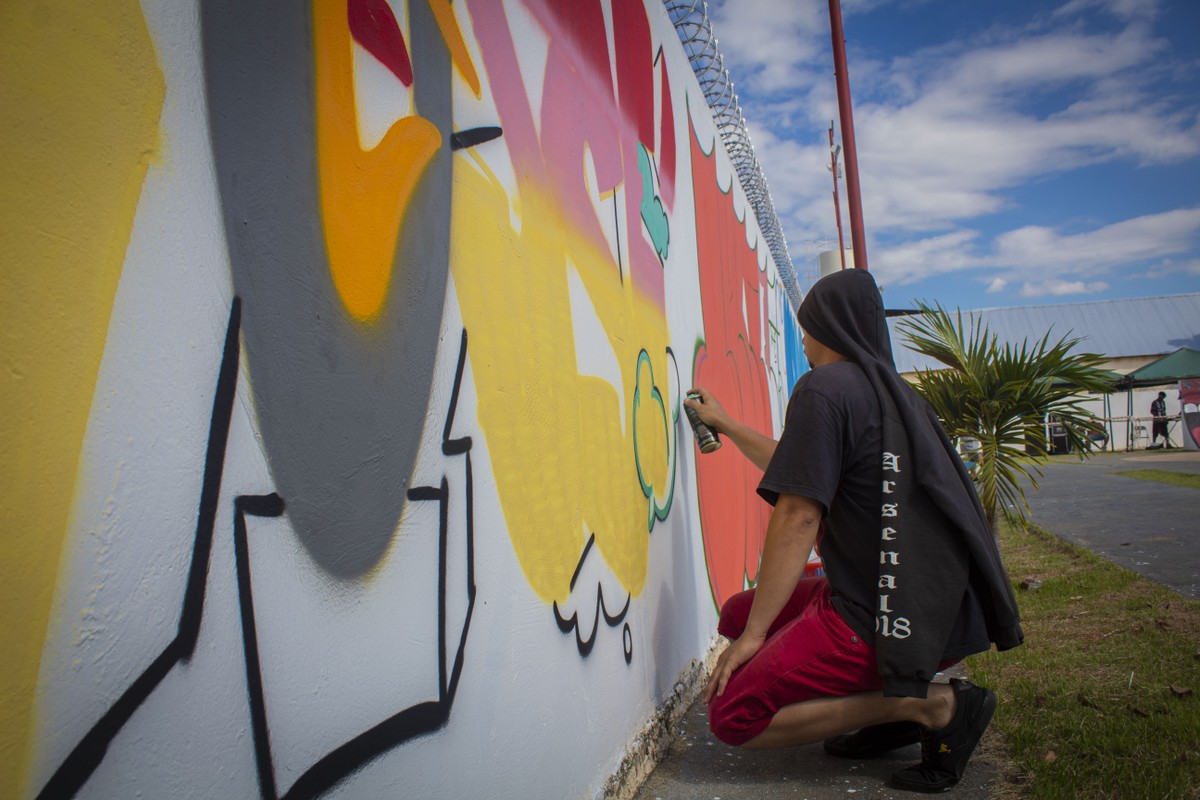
(345, 343)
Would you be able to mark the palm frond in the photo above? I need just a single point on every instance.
(1000, 395)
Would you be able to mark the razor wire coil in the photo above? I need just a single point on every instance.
(694, 28)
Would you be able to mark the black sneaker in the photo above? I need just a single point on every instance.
(874, 741)
(944, 753)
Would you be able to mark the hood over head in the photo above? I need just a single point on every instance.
(844, 312)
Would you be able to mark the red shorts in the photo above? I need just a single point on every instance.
(810, 652)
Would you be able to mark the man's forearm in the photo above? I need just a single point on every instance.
(755, 446)
(791, 534)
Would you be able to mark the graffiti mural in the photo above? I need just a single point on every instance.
(1189, 400)
(363, 447)
(577, 360)
(731, 361)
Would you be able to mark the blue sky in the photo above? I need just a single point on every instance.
(1010, 153)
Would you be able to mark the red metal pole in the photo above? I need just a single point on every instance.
(858, 240)
(837, 205)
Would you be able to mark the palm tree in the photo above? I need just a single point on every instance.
(1000, 396)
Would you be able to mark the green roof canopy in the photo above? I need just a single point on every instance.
(1173, 367)
(1112, 378)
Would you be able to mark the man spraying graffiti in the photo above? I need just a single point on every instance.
(914, 581)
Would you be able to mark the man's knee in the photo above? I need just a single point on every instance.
(734, 723)
(726, 730)
(734, 614)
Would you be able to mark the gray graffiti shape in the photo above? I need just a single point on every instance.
(329, 389)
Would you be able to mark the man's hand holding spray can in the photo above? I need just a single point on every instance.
(707, 438)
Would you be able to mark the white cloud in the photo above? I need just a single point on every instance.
(1057, 288)
(1027, 255)
(947, 132)
(954, 138)
(1037, 248)
(1169, 268)
(908, 262)
(974, 130)
(1125, 9)
(774, 43)
(1032, 63)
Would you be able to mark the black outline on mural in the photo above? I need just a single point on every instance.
(617, 239)
(416, 720)
(82, 761)
(471, 137)
(270, 505)
(566, 625)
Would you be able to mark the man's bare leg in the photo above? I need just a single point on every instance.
(816, 720)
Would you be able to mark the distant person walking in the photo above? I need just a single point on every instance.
(1158, 410)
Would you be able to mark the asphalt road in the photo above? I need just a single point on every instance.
(1149, 527)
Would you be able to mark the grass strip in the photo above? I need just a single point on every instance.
(1103, 699)
(1187, 479)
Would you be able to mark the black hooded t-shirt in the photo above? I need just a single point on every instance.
(830, 452)
(908, 550)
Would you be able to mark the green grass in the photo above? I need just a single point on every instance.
(1187, 479)
(1103, 699)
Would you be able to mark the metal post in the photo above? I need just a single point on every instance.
(846, 117)
(837, 205)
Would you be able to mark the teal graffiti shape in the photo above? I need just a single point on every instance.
(649, 408)
(653, 215)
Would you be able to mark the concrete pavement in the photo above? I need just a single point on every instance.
(1150, 527)
(698, 767)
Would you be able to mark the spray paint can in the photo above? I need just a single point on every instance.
(706, 438)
